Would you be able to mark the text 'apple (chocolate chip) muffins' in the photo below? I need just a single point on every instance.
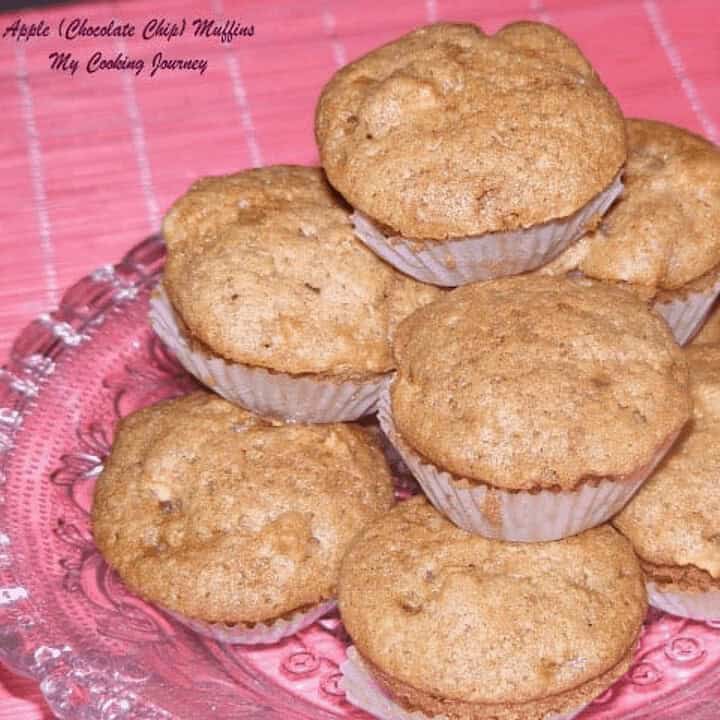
(453, 624)
(674, 520)
(270, 299)
(235, 525)
(662, 239)
(468, 156)
(532, 408)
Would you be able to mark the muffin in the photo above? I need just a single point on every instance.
(468, 156)
(235, 525)
(453, 624)
(662, 239)
(532, 408)
(269, 299)
(674, 520)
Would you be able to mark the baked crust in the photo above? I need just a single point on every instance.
(464, 619)
(198, 346)
(653, 296)
(215, 513)
(431, 705)
(534, 382)
(674, 519)
(710, 332)
(264, 269)
(664, 232)
(449, 132)
(688, 578)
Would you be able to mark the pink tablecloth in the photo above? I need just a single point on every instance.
(91, 161)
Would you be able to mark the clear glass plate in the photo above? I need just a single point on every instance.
(99, 652)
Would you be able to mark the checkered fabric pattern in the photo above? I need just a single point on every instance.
(90, 162)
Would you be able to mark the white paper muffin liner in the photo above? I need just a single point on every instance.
(696, 605)
(271, 394)
(686, 315)
(519, 516)
(260, 633)
(458, 261)
(363, 691)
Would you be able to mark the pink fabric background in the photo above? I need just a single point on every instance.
(90, 163)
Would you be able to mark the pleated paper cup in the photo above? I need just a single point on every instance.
(259, 633)
(292, 398)
(363, 691)
(519, 516)
(686, 314)
(459, 261)
(695, 605)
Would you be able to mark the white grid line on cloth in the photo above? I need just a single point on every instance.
(672, 53)
(538, 7)
(431, 11)
(139, 140)
(241, 98)
(37, 176)
(330, 27)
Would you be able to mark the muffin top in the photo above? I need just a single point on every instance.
(674, 520)
(217, 514)
(264, 269)
(450, 132)
(532, 382)
(664, 232)
(483, 621)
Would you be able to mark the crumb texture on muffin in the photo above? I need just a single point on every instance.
(710, 332)
(674, 520)
(219, 515)
(264, 269)
(664, 232)
(449, 132)
(537, 382)
(562, 704)
(461, 618)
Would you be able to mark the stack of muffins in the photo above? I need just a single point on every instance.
(532, 404)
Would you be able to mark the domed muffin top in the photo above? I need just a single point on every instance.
(264, 269)
(450, 132)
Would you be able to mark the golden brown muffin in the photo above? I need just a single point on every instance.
(662, 239)
(478, 629)
(263, 269)
(710, 333)
(664, 233)
(221, 516)
(536, 382)
(448, 132)
(674, 520)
